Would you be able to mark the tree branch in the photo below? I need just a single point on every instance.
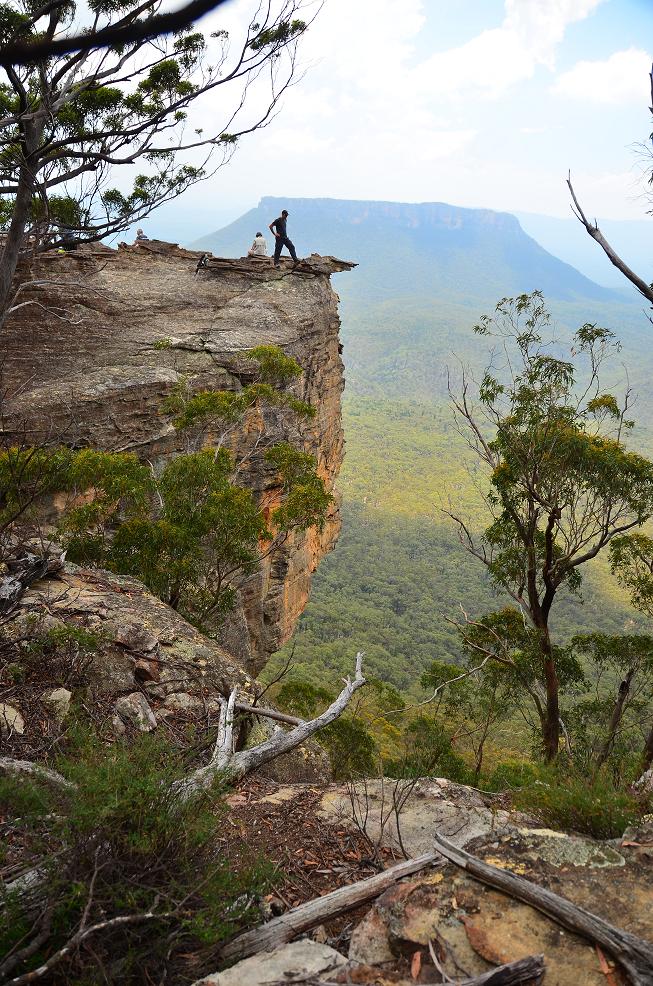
(235, 766)
(11, 766)
(613, 257)
(22, 53)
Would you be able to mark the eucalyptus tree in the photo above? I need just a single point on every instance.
(70, 121)
(631, 557)
(562, 481)
(611, 720)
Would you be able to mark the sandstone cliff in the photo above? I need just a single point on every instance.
(109, 334)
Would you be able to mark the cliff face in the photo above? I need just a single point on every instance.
(111, 333)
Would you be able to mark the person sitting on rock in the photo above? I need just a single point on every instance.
(141, 237)
(259, 247)
(278, 227)
(68, 241)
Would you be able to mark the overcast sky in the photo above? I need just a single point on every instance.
(482, 103)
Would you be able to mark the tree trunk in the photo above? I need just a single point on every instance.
(615, 720)
(20, 217)
(647, 752)
(14, 238)
(478, 764)
(551, 727)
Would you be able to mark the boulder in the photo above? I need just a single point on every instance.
(458, 812)
(134, 710)
(58, 701)
(473, 928)
(11, 721)
(182, 702)
(135, 638)
(140, 639)
(297, 962)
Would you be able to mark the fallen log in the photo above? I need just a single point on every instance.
(633, 953)
(529, 970)
(10, 765)
(288, 926)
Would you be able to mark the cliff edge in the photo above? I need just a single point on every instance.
(107, 335)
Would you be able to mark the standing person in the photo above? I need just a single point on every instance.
(278, 228)
(259, 247)
(68, 241)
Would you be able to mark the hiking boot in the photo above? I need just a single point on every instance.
(277, 266)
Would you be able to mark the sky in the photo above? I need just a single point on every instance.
(479, 103)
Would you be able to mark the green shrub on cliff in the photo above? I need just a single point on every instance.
(193, 530)
(207, 411)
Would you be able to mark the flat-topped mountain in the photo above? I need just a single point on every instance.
(452, 251)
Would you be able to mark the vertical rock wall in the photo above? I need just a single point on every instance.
(111, 333)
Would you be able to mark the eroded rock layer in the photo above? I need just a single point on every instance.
(109, 334)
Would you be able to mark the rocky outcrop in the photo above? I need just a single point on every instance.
(443, 925)
(111, 333)
(433, 803)
(300, 961)
(86, 638)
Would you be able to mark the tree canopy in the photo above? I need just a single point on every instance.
(69, 121)
(562, 482)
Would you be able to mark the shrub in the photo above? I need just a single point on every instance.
(428, 753)
(122, 846)
(569, 801)
(351, 749)
(61, 654)
(510, 775)
(275, 367)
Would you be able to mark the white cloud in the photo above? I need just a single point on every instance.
(382, 113)
(495, 60)
(540, 25)
(621, 78)
(296, 141)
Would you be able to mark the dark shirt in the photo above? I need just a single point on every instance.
(280, 226)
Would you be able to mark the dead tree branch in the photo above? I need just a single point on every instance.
(256, 710)
(614, 258)
(10, 766)
(288, 926)
(234, 766)
(524, 971)
(79, 937)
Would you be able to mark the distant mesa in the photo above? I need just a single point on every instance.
(445, 251)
